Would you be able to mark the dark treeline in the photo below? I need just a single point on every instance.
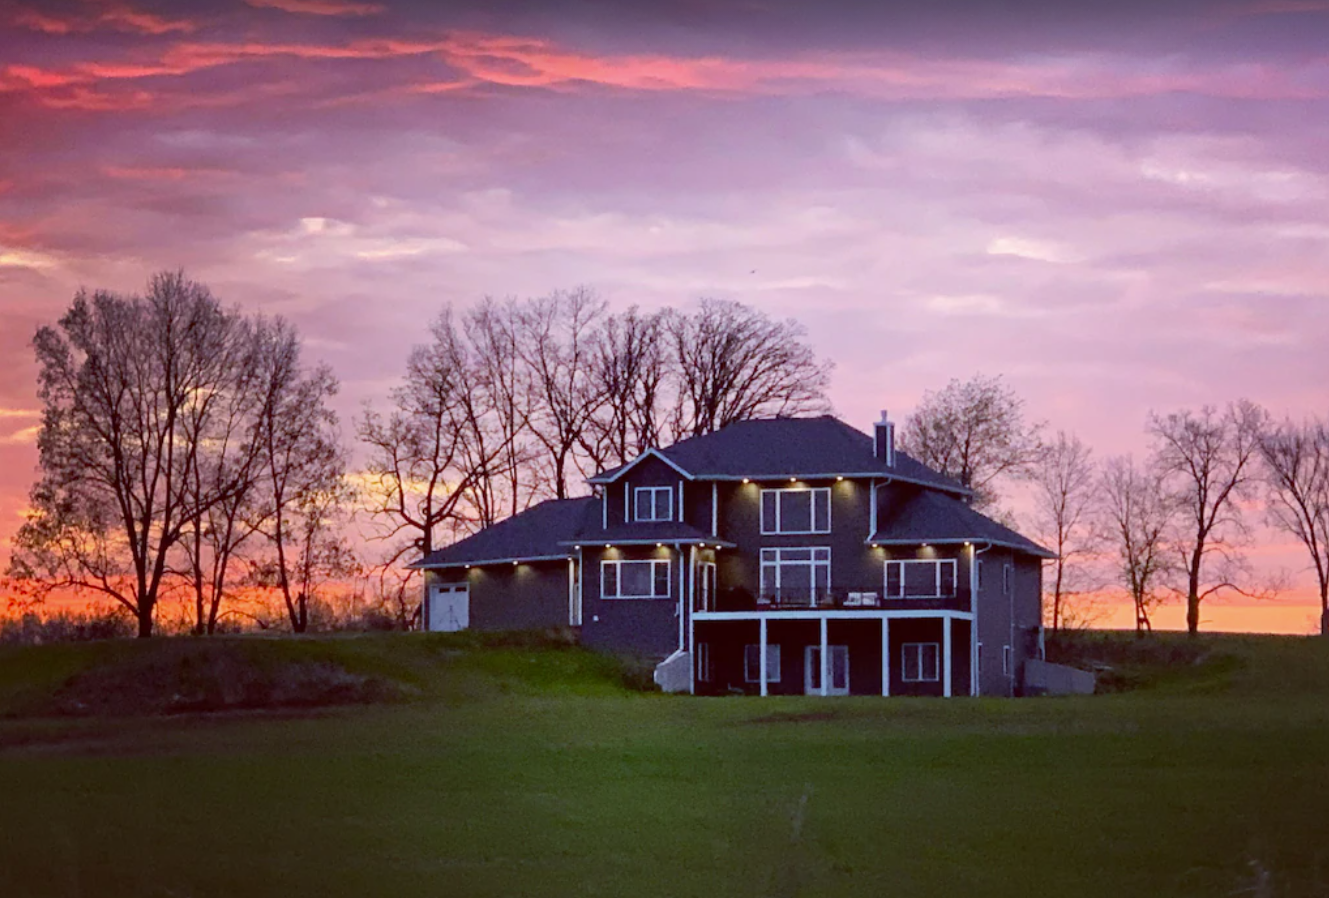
(188, 452)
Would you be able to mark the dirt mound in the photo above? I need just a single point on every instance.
(182, 676)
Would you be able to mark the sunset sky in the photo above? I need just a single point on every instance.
(1117, 206)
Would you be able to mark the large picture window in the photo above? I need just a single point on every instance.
(752, 663)
(922, 579)
(796, 511)
(795, 575)
(919, 662)
(653, 503)
(634, 579)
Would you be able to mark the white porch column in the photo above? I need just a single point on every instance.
(946, 656)
(825, 661)
(885, 656)
(761, 650)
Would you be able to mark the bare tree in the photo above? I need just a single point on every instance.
(734, 363)
(1210, 462)
(558, 337)
(1065, 495)
(227, 467)
(1138, 515)
(130, 388)
(632, 370)
(974, 432)
(302, 481)
(1296, 474)
(423, 463)
(498, 411)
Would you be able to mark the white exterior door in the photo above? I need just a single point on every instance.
(449, 607)
(839, 678)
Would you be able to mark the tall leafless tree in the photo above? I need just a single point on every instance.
(632, 369)
(131, 389)
(1138, 516)
(558, 337)
(974, 432)
(423, 464)
(303, 464)
(1065, 493)
(1296, 475)
(498, 410)
(1210, 463)
(734, 363)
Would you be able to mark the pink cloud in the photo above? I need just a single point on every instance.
(319, 7)
(115, 16)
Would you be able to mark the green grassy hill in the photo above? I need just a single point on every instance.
(536, 769)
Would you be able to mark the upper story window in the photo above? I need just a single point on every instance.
(634, 579)
(920, 579)
(653, 503)
(801, 510)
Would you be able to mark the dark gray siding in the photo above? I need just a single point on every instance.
(513, 597)
(854, 564)
(647, 627)
(995, 623)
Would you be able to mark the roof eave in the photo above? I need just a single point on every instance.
(1035, 550)
(685, 541)
(515, 559)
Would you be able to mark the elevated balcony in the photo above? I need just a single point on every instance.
(839, 598)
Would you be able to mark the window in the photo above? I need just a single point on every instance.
(795, 574)
(1006, 660)
(703, 662)
(1007, 574)
(654, 503)
(796, 510)
(752, 663)
(920, 579)
(634, 579)
(919, 662)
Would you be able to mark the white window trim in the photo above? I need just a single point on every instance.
(772, 663)
(654, 492)
(779, 564)
(937, 594)
(905, 675)
(704, 672)
(812, 515)
(669, 583)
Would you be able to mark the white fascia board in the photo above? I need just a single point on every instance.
(487, 561)
(812, 614)
(668, 540)
(1037, 552)
(885, 477)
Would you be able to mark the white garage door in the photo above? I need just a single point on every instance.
(450, 607)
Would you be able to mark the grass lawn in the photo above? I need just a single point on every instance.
(535, 771)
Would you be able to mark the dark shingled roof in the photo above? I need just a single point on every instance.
(535, 533)
(788, 447)
(930, 516)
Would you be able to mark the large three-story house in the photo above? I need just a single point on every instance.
(773, 557)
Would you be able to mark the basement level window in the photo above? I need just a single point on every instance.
(919, 662)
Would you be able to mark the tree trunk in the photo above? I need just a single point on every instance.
(144, 619)
(1193, 598)
(1324, 609)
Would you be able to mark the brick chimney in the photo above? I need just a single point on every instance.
(883, 440)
